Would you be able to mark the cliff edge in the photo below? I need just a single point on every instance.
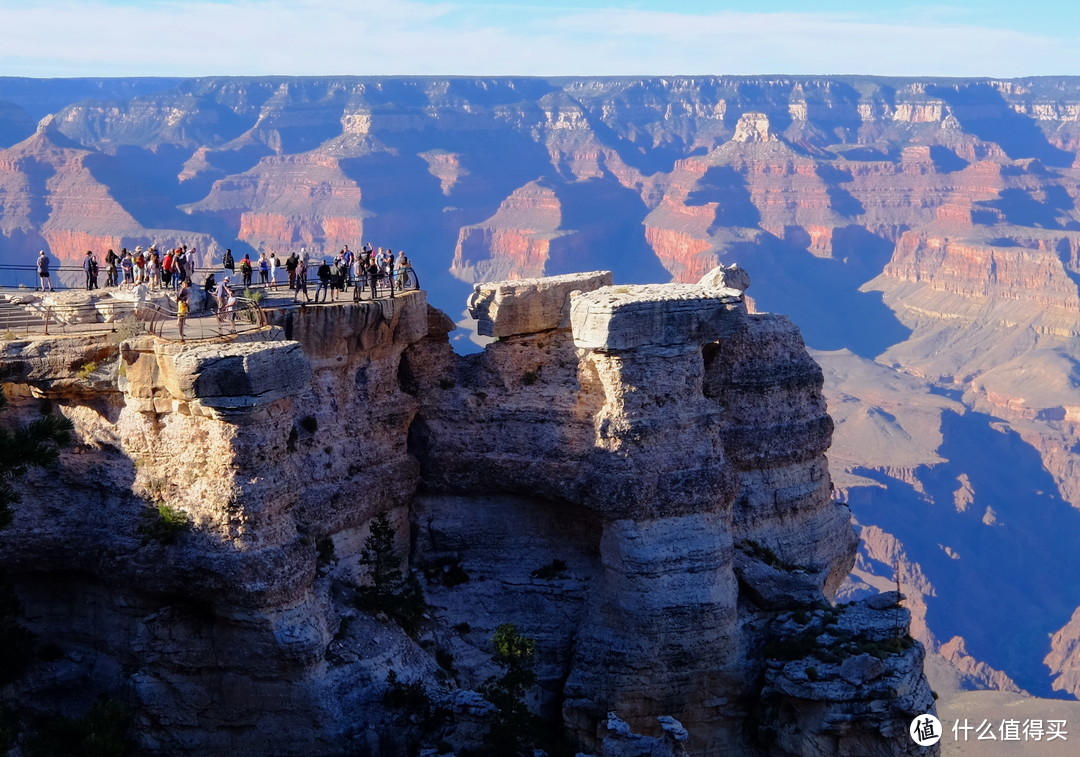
(633, 476)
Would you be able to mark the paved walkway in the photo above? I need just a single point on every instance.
(20, 320)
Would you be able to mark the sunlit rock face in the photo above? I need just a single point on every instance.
(632, 475)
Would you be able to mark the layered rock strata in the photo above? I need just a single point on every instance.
(633, 475)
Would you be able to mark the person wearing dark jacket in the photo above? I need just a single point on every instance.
(324, 280)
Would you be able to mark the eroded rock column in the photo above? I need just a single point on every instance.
(660, 635)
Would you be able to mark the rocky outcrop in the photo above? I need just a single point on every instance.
(665, 416)
(631, 475)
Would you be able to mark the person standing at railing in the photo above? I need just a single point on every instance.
(227, 261)
(139, 261)
(301, 280)
(347, 258)
(245, 271)
(359, 276)
(167, 269)
(111, 259)
(291, 264)
(127, 266)
(404, 269)
(373, 277)
(264, 270)
(224, 297)
(44, 279)
(209, 287)
(180, 263)
(183, 306)
(324, 274)
(153, 269)
(388, 271)
(87, 266)
(274, 265)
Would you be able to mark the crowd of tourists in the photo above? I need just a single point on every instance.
(368, 270)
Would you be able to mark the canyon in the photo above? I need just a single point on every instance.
(923, 234)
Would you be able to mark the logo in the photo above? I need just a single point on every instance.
(925, 730)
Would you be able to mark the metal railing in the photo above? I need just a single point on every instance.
(127, 318)
(244, 316)
(25, 278)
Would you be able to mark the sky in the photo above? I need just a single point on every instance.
(59, 38)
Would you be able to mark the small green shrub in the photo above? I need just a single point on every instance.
(766, 555)
(125, 328)
(255, 295)
(165, 524)
(413, 704)
(553, 570)
(87, 370)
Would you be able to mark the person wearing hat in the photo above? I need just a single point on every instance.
(224, 295)
(140, 265)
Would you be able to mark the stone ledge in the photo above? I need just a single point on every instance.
(528, 306)
(654, 315)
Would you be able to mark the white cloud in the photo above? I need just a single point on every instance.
(250, 37)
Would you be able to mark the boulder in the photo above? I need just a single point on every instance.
(726, 277)
(654, 315)
(529, 306)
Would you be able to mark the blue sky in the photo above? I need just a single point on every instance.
(570, 37)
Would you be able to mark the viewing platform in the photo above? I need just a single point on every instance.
(127, 311)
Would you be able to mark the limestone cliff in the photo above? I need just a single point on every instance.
(632, 475)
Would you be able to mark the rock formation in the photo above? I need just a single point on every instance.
(634, 476)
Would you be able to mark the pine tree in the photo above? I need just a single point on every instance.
(515, 729)
(390, 590)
